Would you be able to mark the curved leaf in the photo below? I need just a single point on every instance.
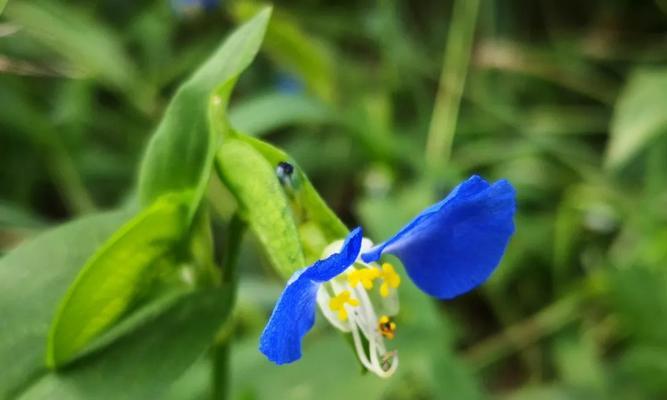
(108, 282)
(262, 203)
(315, 210)
(33, 277)
(142, 364)
(173, 178)
(180, 155)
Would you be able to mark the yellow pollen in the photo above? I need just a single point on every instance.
(390, 279)
(338, 302)
(365, 276)
(387, 327)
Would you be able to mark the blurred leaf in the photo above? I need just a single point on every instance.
(644, 367)
(262, 203)
(295, 50)
(639, 297)
(580, 366)
(143, 364)
(544, 392)
(257, 378)
(33, 278)
(181, 152)
(639, 116)
(3, 4)
(263, 114)
(99, 51)
(109, 281)
(193, 384)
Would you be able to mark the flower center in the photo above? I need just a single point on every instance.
(349, 302)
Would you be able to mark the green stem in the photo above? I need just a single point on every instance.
(220, 371)
(230, 276)
(452, 79)
(235, 232)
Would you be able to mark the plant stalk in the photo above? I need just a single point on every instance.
(452, 80)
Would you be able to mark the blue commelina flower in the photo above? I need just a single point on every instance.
(448, 249)
(294, 314)
(454, 245)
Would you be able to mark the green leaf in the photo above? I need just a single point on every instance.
(3, 4)
(109, 281)
(33, 277)
(97, 52)
(263, 114)
(143, 364)
(300, 223)
(579, 364)
(639, 116)
(313, 209)
(262, 203)
(181, 152)
(639, 298)
(643, 368)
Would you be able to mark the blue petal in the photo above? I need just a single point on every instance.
(294, 313)
(454, 245)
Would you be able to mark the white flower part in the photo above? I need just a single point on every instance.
(362, 319)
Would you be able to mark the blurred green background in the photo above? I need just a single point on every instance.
(387, 105)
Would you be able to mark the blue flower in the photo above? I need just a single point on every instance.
(289, 83)
(450, 248)
(454, 245)
(191, 8)
(294, 313)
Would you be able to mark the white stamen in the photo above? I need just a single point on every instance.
(361, 318)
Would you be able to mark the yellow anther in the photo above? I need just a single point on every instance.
(365, 276)
(338, 302)
(390, 279)
(387, 327)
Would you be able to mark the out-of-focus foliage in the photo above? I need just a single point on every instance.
(567, 100)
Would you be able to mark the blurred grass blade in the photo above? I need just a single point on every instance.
(181, 152)
(84, 42)
(263, 114)
(109, 281)
(20, 113)
(14, 216)
(141, 364)
(452, 80)
(294, 50)
(3, 4)
(639, 116)
(33, 277)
